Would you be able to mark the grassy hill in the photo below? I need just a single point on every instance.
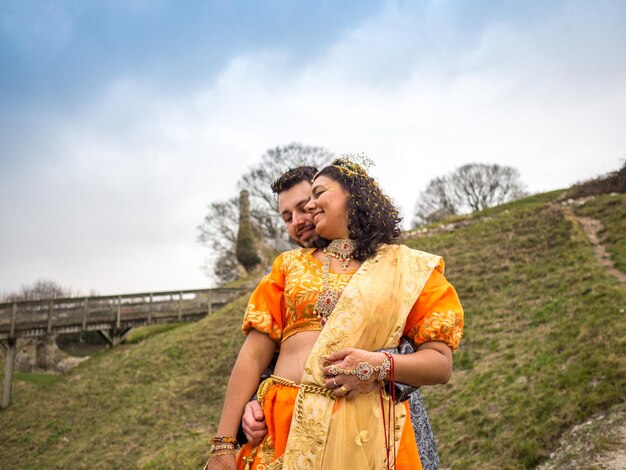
(542, 352)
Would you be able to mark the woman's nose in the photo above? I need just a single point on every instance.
(310, 205)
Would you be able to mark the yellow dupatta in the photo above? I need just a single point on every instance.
(329, 433)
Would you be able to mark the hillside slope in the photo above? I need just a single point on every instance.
(542, 352)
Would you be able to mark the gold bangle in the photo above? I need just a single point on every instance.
(225, 452)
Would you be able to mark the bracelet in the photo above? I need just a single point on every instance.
(224, 440)
(385, 367)
(364, 370)
(228, 446)
(225, 452)
(228, 452)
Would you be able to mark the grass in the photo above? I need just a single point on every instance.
(151, 404)
(41, 380)
(534, 360)
(541, 353)
(137, 335)
(611, 211)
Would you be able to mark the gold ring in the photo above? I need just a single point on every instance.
(344, 389)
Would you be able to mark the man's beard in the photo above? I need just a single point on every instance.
(311, 239)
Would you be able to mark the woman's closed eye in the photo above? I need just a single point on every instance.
(317, 192)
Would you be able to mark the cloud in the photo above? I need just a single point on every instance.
(117, 185)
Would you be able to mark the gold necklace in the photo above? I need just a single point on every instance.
(342, 250)
(328, 298)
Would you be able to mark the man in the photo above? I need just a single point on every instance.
(293, 190)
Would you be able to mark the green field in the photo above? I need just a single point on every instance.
(542, 352)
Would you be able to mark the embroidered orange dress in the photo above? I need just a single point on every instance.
(283, 305)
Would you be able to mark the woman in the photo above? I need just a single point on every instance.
(328, 309)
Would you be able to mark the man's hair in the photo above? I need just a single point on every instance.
(292, 177)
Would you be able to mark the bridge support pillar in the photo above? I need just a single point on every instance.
(8, 371)
(114, 336)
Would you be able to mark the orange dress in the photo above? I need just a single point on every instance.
(282, 305)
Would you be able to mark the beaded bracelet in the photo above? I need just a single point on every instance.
(385, 368)
(228, 446)
(223, 440)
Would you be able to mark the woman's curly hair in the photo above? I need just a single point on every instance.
(372, 216)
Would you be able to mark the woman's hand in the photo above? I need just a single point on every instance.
(341, 372)
(221, 462)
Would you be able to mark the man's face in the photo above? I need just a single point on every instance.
(298, 222)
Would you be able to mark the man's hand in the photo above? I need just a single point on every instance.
(253, 423)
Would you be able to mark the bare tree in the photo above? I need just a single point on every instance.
(436, 202)
(40, 352)
(258, 179)
(479, 186)
(469, 188)
(41, 289)
(219, 227)
(218, 231)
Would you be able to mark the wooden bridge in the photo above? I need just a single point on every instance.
(111, 316)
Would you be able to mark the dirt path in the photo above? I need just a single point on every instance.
(601, 441)
(591, 227)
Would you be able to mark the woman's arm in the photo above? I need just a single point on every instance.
(431, 364)
(254, 357)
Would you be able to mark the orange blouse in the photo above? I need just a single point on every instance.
(283, 302)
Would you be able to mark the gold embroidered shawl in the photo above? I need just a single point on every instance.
(329, 433)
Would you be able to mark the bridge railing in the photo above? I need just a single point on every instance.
(67, 315)
(111, 315)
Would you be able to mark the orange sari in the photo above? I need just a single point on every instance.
(400, 291)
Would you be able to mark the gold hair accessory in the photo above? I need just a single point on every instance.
(350, 164)
(359, 159)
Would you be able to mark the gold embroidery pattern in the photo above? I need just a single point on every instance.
(446, 327)
(303, 283)
(347, 327)
(266, 453)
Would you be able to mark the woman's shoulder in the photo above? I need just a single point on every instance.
(403, 250)
(411, 255)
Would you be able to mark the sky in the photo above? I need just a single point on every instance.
(121, 120)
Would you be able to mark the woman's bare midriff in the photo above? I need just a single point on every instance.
(294, 352)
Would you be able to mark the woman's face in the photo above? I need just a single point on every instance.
(329, 206)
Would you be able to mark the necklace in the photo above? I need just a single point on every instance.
(342, 250)
(328, 298)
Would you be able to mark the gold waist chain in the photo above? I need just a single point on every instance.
(303, 388)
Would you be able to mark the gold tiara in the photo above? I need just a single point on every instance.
(350, 164)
